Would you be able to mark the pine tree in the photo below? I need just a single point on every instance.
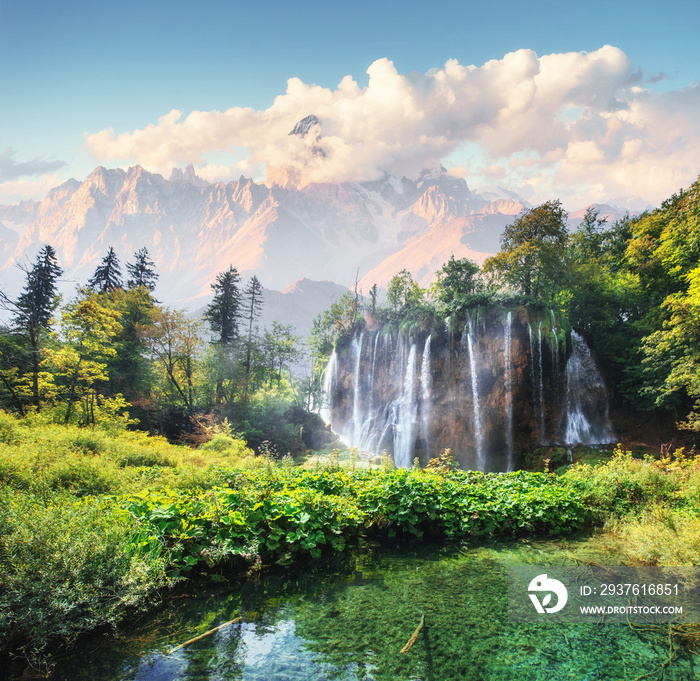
(253, 308)
(36, 304)
(108, 275)
(34, 308)
(142, 273)
(223, 313)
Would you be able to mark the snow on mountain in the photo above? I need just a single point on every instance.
(304, 125)
(194, 230)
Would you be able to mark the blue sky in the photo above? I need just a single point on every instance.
(72, 69)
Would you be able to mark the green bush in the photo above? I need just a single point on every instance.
(625, 484)
(67, 567)
(228, 446)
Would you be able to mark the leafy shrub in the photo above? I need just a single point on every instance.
(624, 484)
(67, 567)
(228, 446)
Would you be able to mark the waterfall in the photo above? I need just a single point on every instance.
(587, 420)
(555, 359)
(473, 369)
(540, 387)
(386, 390)
(329, 381)
(406, 412)
(425, 394)
(507, 340)
(357, 395)
(370, 408)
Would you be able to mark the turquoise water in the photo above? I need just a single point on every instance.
(350, 620)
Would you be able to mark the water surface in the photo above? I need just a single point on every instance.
(350, 620)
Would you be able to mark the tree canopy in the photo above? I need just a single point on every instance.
(533, 249)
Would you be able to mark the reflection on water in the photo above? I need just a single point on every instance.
(349, 622)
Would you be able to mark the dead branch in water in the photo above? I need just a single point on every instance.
(413, 638)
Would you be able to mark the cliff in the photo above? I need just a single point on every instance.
(486, 387)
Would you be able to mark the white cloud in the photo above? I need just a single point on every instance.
(580, 120)
(19, 190)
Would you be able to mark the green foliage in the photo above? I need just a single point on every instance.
(457, 285)
(403, 292)
(531, 259)
(275, 513)
(227, 446)
(87, 327)
(68, 567)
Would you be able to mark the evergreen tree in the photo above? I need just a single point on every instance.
(34, 308)
(223, 313)
(253, 308)
(142, 272)
(108, 275)
(36, 304)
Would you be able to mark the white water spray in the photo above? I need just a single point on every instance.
(507, 341)
(474, 370)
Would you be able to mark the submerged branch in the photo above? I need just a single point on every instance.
(211, 631)
(413, 638)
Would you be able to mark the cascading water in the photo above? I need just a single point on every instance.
(507, 343)
(330, 377)
(425, 382)
(540, 387)
(409, 393)
(357, 394)
(406, 412)
(587, 420)
(474, 374)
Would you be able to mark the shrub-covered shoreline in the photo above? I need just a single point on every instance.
(95, 525)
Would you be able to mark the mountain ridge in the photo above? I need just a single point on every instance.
(194, 229)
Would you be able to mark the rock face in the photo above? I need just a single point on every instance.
(280, 232)
(485, 387)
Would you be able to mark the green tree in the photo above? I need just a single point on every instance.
(670, 237)
(404, 292)
(32, 313)
(108, 275)
(130, 369)
(79, 362)
(175, 343)
(340, 317)
(373, 295)
(224, 311)
(533, 249)
(253, 296)
(142, 272)
(457, 282)
(279, 346)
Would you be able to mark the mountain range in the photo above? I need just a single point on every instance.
(282, 231)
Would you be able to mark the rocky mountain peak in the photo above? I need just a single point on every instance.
(304, 125)
(189, 175)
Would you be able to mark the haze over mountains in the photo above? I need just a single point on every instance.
(282, 231)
